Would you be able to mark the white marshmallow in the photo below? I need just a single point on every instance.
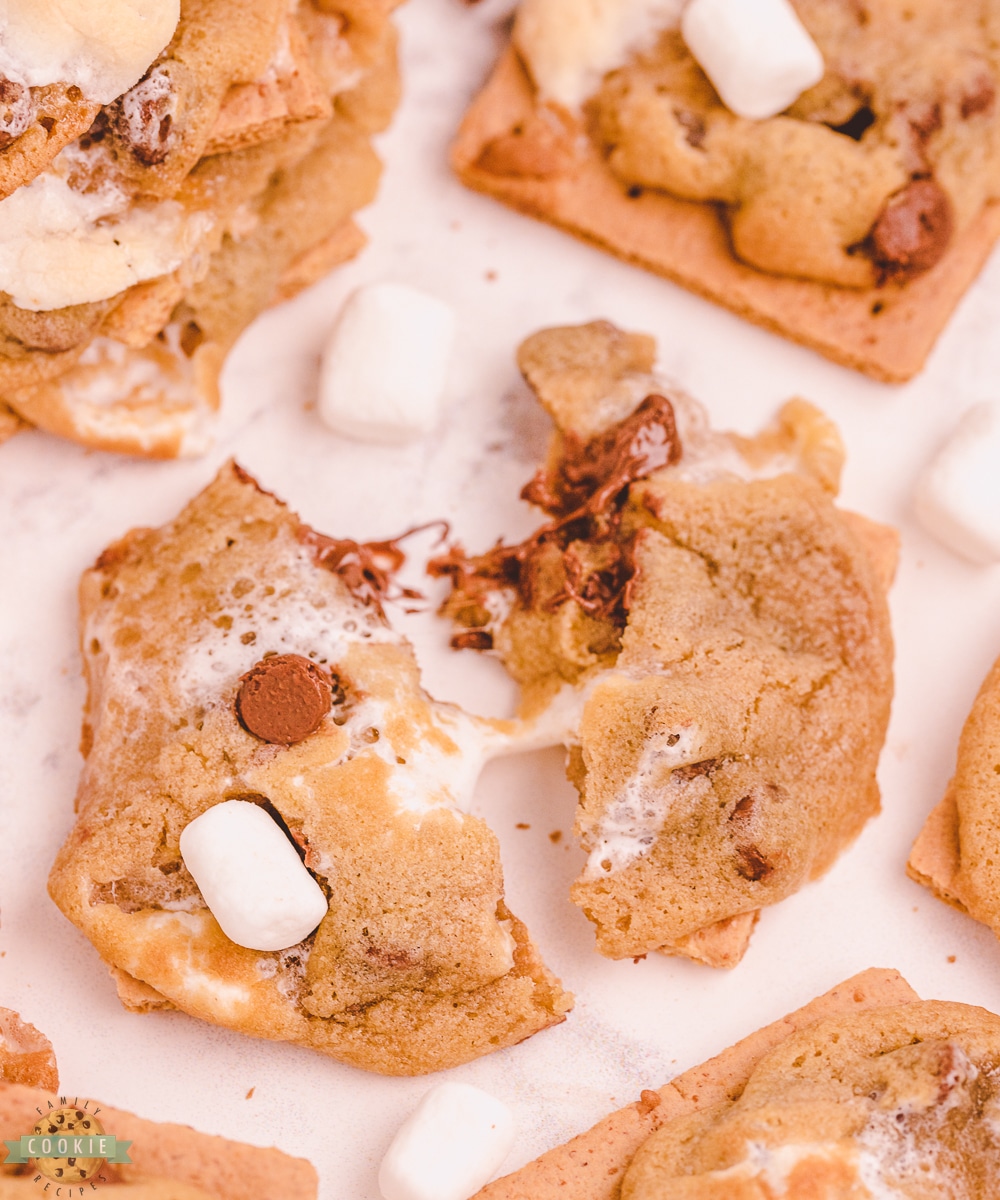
(757, 53)
(251, 877)
(449, 1147)
(102, 46)
(60, 246)
(383, 372)
(958, 494)
(570, 45)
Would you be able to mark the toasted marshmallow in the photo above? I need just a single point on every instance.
(251, 877)
(957, 497)
(60, 246)
(570, 45)
(384, 368)
(449, 1147)
(757, 53)
(101, 46)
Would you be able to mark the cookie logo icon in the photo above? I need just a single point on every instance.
(69, 1125)
(68, 1145)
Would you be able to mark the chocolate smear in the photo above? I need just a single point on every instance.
(584, 492)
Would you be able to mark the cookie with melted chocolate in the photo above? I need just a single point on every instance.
(720, 628)
(238, 654)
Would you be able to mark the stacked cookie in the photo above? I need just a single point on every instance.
(166, 175)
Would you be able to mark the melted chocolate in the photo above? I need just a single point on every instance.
(367, 569)
(584, 493)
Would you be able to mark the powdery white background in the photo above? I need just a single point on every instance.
(634, 1025)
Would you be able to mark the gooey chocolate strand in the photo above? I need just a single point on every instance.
(584, 493)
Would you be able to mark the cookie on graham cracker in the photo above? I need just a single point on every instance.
(592, 1165)
(537, 159)
(168, 1162)
(956, 853)
(711, 630)
(419, 964)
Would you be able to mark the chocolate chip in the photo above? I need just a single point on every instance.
(693, 125)
(914, 229)
(980, 99)
(283, 699)
(17, 111)
(751, 864)
(143, 118)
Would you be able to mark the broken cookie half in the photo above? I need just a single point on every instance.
(711, 629)
(238, 658)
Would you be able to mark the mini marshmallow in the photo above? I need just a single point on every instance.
(384, 368)
(957, 497)
(251, 877)
(757, 53)
(452, 1144)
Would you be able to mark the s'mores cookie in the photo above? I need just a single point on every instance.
(956, 853)
(272, 828)
(157, 1161)
(866, 1092)
(221, 176)
(710, 630)
(850, 215)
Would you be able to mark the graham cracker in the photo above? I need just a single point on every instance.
(318, 261)
(224, 1169)
(592, 1165)
(884, 332)
(935, 859)
(256, 112)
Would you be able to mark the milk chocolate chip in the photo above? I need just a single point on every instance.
(144, 117)
(283, 699)
(914, 229)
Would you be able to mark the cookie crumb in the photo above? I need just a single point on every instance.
(491, 276)
(639, 958)
(951, 958)
(522, 825)
(648, 1100)
(555, 836)
(249, 1095)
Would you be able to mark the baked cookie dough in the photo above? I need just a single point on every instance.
(168, 1162)
(956, 854)
(853, 222)
(867, 1091)
(711, 629)
(223, 181)
(418, 964)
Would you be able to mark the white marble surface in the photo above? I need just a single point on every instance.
(634, 1024)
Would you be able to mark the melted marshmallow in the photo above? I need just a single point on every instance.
(102, 47)
(570, 45)
(61, 246)
(629, 826)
